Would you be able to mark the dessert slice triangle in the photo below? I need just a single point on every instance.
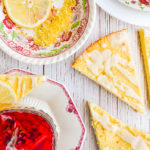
(145, 49)
(109, 63)
(17, 86)
(112, 134)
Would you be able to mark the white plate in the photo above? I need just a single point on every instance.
(72, 130)
(135, 4)
(125, 13)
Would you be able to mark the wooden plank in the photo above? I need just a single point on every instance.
(82, 88)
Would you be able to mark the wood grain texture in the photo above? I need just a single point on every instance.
(82, 88)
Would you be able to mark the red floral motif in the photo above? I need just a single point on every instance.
(71, 108)
(80, 30)
(26, 52)
(76, 37)
(30, 40)
(34, 47)
(8, 23)
(133, 2)
(19, 48)
(66, 36)
(77, 2)
(12, 44)
(57, 44)
(146, 2)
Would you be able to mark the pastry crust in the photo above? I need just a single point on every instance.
(108, 62)
(145, 50)
(112, 134)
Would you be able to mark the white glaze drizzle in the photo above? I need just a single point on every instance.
(137, 143)
(105, 60)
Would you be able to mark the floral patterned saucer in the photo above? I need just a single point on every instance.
(143, 5)
(14, 42)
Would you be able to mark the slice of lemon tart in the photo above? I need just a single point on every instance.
(109, 63)
(112, 134)
(145, 49)
(14, 87)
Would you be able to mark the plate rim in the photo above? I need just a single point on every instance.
(132, 19)
(62, 56)
(63, 87)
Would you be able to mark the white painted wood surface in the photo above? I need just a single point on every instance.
(82, 88)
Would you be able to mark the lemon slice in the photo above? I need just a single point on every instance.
(28, 13)
(7, 95)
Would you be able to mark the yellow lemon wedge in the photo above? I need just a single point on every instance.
(14, 87)
(28, 13)
(7, 95)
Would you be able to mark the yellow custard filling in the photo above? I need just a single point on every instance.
(47, 33)
(112, 134)
(108, 62)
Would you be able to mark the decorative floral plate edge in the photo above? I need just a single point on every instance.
(62, 56)
(136, 4)
(124, 13)
(71, 108)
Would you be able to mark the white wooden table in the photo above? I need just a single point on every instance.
(82, 88)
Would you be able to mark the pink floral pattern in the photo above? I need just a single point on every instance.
(19, 48)
(26, 52)
(34, 47)
(11, 35)
(71, 108)
(8, 23)
(138, 4)
(12, 44)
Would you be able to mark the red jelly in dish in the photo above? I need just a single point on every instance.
(25, 130)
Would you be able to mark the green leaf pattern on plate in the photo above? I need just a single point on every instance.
(14, 35)
(84, 4)
(54, 51)
(2, 30)
(75, 25)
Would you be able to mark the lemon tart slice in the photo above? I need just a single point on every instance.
(14, 87)
(145, 49)
(109, 63)
(112, 134)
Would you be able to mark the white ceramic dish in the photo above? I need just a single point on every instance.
(124, 13)
(136, 4)
(16, 45)
(72, 130)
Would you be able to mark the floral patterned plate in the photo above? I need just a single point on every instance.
(71, 128)
(124, 13)
(143, 5)
(15, 42)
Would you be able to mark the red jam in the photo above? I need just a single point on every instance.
(146, 2)
(25, 131)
